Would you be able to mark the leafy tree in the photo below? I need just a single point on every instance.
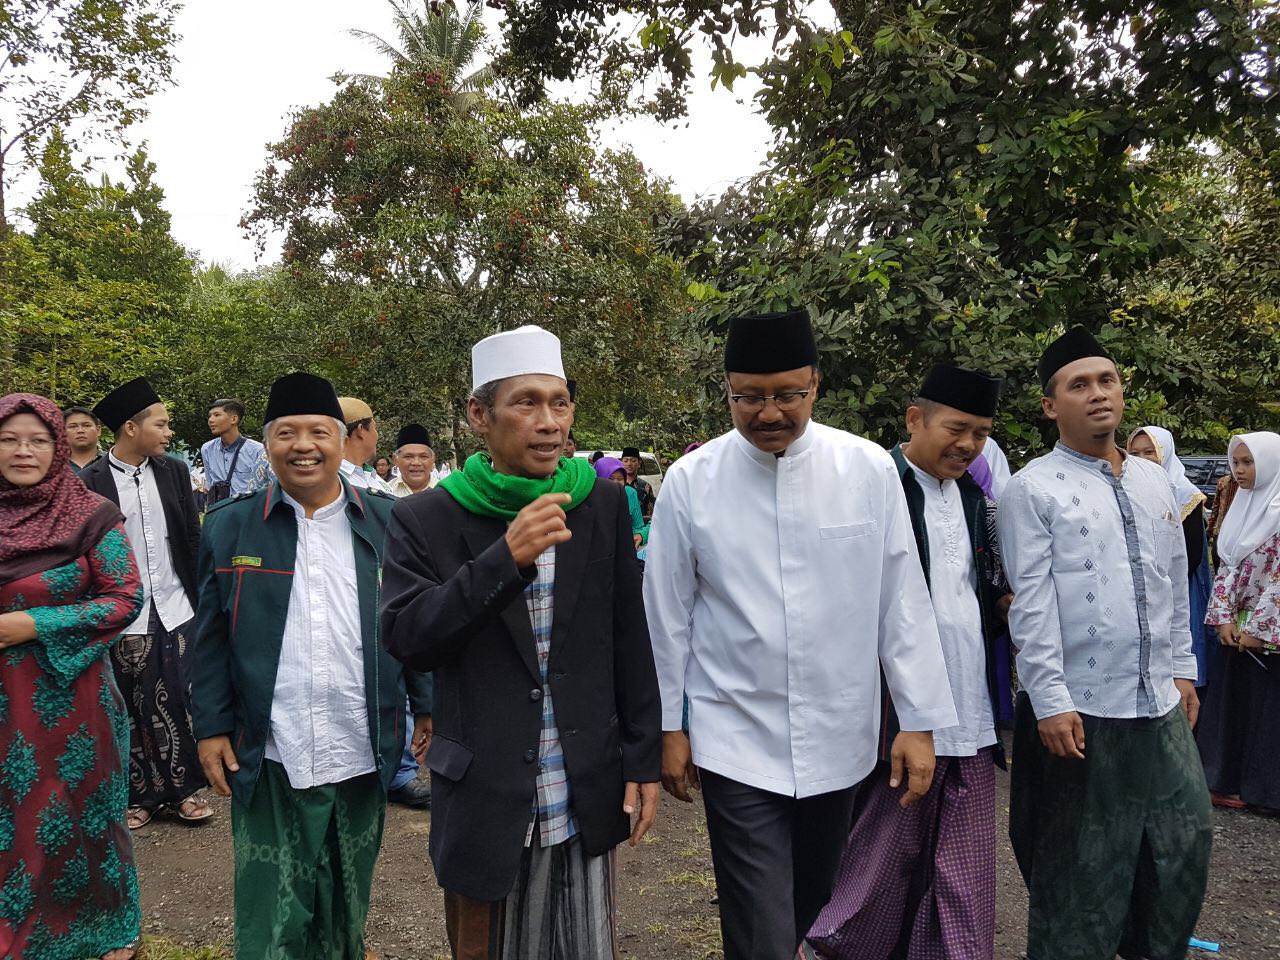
(443, 41)
(91, 294)
(63, 60)
(958, 181)
(414, 229)
(238, 334)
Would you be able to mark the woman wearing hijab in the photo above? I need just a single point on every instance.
(1156, 444)
(611, 468)
(68, 585)
(1237, 741)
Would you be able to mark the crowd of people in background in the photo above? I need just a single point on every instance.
(824, 637)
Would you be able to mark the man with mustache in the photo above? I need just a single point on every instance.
(415, 459)
(84, 431)
(1109, 816)
(299, 710)
(515, 581)
(782, 576)
(924, 879)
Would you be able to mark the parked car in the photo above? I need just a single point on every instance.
(650, 469)
(1205, 472)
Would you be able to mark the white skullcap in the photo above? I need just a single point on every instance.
(514, 353)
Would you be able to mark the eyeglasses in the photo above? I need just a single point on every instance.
(786, 402)
(37, 444)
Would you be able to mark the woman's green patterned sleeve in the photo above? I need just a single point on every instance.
(70, 637)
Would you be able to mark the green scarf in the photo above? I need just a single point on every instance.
(480, 489)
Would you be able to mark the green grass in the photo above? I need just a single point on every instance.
(157, 948)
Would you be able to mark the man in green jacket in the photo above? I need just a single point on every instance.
(298, 709)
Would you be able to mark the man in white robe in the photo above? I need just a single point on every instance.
(782, 576)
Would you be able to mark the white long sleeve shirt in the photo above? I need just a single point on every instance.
(319, 719)
(148, 535)
(1098, 568)
(953, 588)
(776, 588)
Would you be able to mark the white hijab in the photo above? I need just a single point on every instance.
(1184, 491)
(1254, 516)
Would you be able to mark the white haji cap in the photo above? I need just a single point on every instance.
(514, 353)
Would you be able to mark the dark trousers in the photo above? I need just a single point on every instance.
(775, 859)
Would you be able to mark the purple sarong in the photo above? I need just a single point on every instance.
(920, 883)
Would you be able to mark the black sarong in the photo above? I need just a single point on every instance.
(151, 671)
(1114, 848)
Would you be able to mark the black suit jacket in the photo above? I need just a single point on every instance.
(453, 603)
(182, 523)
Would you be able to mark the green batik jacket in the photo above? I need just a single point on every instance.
(990, 586)
(247, 552)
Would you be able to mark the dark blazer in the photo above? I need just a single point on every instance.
(247, 563)
(453, 603)
(182, 522)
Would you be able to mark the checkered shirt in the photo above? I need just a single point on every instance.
(551, 805)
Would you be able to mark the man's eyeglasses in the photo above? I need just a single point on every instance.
(786, 402)
(37, 444)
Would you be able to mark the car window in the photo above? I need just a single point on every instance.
(648, 465)
(1199, 472)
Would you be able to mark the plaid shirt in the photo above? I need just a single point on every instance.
(551, 807)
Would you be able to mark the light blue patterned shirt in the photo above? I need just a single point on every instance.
(552, 811)
(1098, 569)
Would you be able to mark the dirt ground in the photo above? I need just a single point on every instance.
(665, 888)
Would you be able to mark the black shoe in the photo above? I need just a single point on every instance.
(415, 794)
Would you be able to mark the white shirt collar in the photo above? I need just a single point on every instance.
(798, 446)
(324, 513)
(924, 477)
(128, 468)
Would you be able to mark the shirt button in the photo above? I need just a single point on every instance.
(530, 756)
(535, 695)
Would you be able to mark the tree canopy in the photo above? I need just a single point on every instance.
(64, 60)
(417, 226)
(956, 182)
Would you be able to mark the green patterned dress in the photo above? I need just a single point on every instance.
(68, 888)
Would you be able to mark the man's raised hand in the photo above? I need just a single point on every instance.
(538, 526)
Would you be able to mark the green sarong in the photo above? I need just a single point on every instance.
(1114, 848)
(304, 867)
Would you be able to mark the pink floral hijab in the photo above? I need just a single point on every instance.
(56, 520)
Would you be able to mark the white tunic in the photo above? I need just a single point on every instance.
(319, 723)
(1098, 567)
(148, 535)
(775, 588)
(953, 584)
(358, 476)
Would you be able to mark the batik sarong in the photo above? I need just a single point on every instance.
(304, 867)
(151, 671)
(918, 883)
(1114, 848)
(562, 908)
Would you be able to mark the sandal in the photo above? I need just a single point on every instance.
(137, 818)
(1227, 801)
(193, 810)
(133, 947)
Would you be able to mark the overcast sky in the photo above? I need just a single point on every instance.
(243, 66)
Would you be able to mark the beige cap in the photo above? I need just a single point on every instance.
(353, 410)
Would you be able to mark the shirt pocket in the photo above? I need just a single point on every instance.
(847, 531)
(1163, 534)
